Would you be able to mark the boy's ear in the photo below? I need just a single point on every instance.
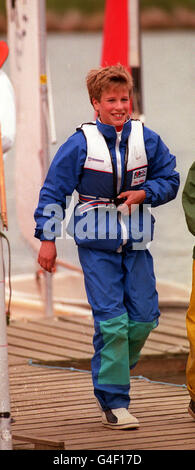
(95, 104)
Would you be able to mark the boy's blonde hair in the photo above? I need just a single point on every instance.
(102, 78)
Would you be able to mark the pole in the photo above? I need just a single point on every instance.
(45, 138)
(51, 124)
(5, 416)
(135, 56)
(2, 188)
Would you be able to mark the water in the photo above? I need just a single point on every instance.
(168, 87)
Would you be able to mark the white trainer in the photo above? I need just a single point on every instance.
(119, 418)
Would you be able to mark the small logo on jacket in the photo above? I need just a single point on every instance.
(139, 176)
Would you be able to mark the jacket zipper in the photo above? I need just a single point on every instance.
(119, 177)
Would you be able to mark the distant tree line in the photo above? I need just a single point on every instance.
(92, 6)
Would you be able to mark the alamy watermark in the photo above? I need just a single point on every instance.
(99, 222)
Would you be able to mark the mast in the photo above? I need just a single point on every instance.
(135, 55)
(45, 133)
(122, 44)
(115, 33)
(27, 44)
(5, 416)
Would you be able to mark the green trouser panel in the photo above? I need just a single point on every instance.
(114, 369)
(123, 340)
(138, 333)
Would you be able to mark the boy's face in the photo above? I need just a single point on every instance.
(113, 107)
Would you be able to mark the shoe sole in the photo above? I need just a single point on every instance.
(191, 412)
(121, 426)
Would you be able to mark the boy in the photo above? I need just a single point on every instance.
(116, 165)
(188, 200)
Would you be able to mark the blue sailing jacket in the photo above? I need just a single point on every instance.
(98, 183)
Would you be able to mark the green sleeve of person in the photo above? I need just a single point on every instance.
(188, 200)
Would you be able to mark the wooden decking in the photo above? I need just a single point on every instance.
(56, 409)
(67, 340)
(52, 401)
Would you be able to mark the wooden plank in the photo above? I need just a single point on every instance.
(20, 335)
(52, 407)
(174, 331)
(44, 444)
(17, 351)
(166, 339)
(173, 321)
(30, 350)
(56, 328)
(43, 346)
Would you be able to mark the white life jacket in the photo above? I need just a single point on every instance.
(98, 156)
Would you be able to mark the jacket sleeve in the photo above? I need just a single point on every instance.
(163, 181)
(62, 179)
(188, 199)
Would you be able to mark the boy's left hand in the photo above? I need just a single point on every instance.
(132, 197)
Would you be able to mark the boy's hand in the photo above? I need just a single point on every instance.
(47, 255)
(132, 197)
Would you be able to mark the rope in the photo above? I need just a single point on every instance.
(73, 369)
(141, 377)
(9, 277)
(2, 188)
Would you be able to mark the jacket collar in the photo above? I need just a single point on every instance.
(110, 132)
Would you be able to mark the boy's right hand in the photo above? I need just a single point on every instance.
(47, 255)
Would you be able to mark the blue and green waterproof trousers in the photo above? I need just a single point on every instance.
(121, 290)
